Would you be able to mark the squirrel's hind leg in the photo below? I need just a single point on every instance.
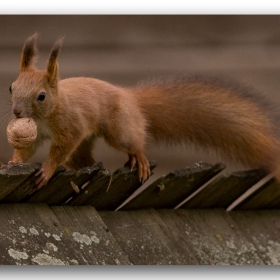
(141, 161)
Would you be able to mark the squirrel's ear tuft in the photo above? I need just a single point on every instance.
(29, 53)
(52, 70)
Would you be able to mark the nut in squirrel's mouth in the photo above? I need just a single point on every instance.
(21, 132)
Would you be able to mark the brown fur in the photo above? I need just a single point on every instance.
(29, 53)
(213, 114)
(78, 110)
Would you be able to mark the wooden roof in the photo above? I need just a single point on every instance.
(199, 186)
(77, 235)
(71, 220)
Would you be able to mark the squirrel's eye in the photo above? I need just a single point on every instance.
(41, 96)
(10, 89)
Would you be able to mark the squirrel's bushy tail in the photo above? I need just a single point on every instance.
(213, 113)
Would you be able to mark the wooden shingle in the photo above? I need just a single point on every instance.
(168, 191)
(224, 190)
(16, 181)
(108, 191)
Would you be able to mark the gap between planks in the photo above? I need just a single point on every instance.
(250, 191)
(198, 190)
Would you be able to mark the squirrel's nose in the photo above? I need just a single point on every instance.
(17, 110)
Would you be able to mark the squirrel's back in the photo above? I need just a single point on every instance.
(213, 113)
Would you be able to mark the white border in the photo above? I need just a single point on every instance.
(140, 7)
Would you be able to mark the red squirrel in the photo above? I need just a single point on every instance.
(73, 112)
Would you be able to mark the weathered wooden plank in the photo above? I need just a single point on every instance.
(168, 191)
(262, 228)
(224, 190)
(86, 174)
(180, 250)
(210, 235)
(25, 190)
(266, 197)
(14, 177)
(37, 234)
(108, 191)
(93, 190)
(140, 237)
(59, 189)
(33, 235)
(90, 234)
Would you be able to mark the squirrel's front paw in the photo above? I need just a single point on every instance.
(43, 179)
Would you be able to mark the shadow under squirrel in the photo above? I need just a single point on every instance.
(73, 112)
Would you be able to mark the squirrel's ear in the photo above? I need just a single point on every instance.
(52, 70)
(29, 53)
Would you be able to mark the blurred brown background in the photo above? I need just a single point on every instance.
(126, 49)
